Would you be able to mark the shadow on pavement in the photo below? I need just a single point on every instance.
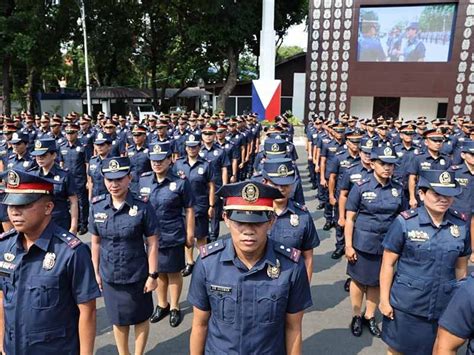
(323, 262)
(179, 345)
(327, 296)
(107, 350)
(103, 323)
(336, 341)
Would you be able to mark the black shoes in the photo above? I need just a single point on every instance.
(356, 326)
(337, 254)
(82, 231)
(347, 284)
(175, 318)
(320, 206)
(328, 225)
(188, 270)
(373, 327)
(160, 313)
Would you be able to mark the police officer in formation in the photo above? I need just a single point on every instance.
(173, 163)
(125, 268)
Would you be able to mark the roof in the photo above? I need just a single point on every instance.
(107, 92)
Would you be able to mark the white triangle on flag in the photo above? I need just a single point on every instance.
(265, 90)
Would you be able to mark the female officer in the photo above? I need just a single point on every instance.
(293, 226)
(201, 176)
(371, 205)
(125, 273)
(429, 245)
(169, 195)
(95, 180)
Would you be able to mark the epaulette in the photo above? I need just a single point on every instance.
(340, 152)
(409, 213)
(362, 182)
(70, 239)
(455, 167)
(301, 207)
(211, 248)
(291, 253)
(417, 151)
(460, 215)
(396, 181)
(148, 173)
(352, 165)
(99, 198)
(7, 234)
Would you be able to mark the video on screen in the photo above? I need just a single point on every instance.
(421, 33)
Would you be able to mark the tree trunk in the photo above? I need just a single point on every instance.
(7, 103)
(232, 58)
(33, 78)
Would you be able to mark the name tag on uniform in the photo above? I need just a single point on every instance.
(425, 165)
(462, 182)
(355, 177)
(145, 190)
(222, 289)
(6, 268)
(100, 217)
(369, 195)
(418, 236)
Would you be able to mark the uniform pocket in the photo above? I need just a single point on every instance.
(223, 304)
(44, 291)
(453, 252)
(271, 303)
(410, 292)
(8, 291)
(45, 336)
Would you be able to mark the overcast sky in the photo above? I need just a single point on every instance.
(297, 36)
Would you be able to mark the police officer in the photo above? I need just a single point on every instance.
(138, 154)
(293, 226)
(118, 222)
(47, 280)
(170, 196)
(248, 292)
(201, 178)
(66, 208)
(95, 180)
(371, 206)
(21, 158)
(73, 155)
(429, 246)
(456, 325)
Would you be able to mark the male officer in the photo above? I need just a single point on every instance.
(138, 154)
(47, 280)
(95, 180)
(248, 292)
(74, 161)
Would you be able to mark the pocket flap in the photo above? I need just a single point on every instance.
(411, 282)
(44, 336)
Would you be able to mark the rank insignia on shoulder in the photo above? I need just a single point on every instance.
(70, 239)
(408, 214)
(98, 198)
(461, 215)
(211, 248)
(362, 182)
(291, 253)
(455, 167)
(7, 234)
(148, 173)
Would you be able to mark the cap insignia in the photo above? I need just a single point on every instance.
(114, 166)
(250, 193)
(13, 178)
(445, 178)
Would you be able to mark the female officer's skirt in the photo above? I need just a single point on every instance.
(409, 334)
(171, 260)
(126, 304)
(201, 227)
(366, 269)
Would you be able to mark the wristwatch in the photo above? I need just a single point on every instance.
(153, 275)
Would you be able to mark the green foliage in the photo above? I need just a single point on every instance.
(437, 18)
(285, 52)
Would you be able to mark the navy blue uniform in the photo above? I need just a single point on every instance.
(98, 185)
(464, 202)
(123, 258)
(140, 163)
(425, 278)
(41, 290)
(458, 318)
(295, 228)
(248, 307)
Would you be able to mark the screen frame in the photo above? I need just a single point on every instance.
(416, 3)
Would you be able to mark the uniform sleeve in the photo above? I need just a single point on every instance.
(71, 187)
(151, 223)
(299, 297)
(458, 317)
(92, 225)
(211, 176)
(311, 238)
(413, 166)
(395, 238)
(345, 183)
(197, 295)
(225, 161)
(187, 196)
(353, 200)
(324, 150)
(467, 240)
(81, 275)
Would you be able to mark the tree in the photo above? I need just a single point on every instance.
(285, 52)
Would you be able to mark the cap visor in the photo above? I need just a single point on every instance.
(116, 175)
(288, 180)
(158, 157)
(192, 144)
(275, 156)
(38, 152)
(248, 216)
(18, 199)
(388, 160)
(447, 191)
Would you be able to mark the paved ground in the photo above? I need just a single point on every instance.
(325, 324)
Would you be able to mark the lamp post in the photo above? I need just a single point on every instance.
(80, 3)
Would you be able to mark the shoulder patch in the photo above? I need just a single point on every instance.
(409, 213)
(148, 173)
(99, 198)
(7, 234)
(70, 239)
(291, 253)
(211, 248)
(460, 215)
